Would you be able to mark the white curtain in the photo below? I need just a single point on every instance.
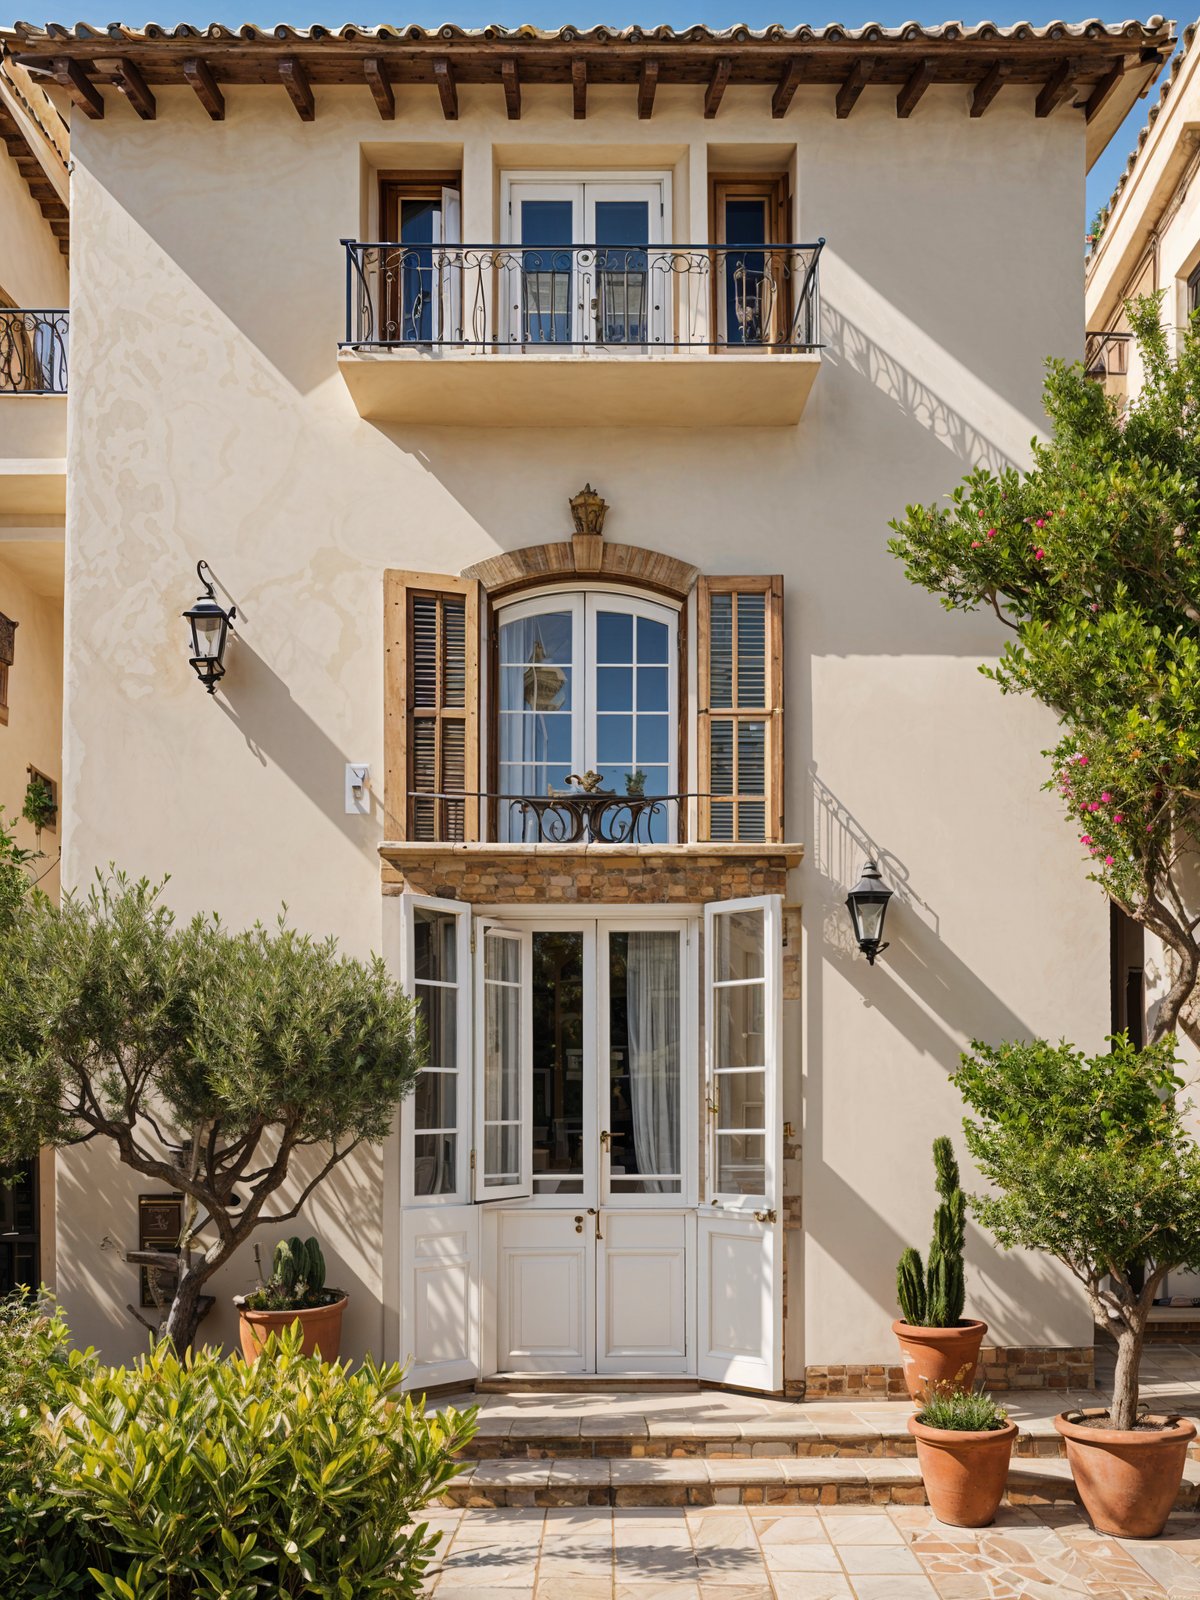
(652, 999)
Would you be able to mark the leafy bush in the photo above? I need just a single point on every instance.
(934, 1296)
(41, 1552)
(206, 1479)
(962, 1411)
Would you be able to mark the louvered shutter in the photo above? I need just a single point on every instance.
(431, 705)
(740, 669)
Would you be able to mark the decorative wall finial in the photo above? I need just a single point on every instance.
(589, 510)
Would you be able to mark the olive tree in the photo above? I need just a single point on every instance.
(209, 1059)
(1092, 1163)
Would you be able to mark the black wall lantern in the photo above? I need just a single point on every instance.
(210, 630)
(867, 904)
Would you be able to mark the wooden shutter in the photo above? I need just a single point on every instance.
(740, 720)
(431, 706)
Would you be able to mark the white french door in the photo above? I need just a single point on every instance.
(740, 1232)
(587, 270)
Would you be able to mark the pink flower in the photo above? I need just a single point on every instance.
(980, 515)
(1083, 761)
(1095, 605)
(1085, 838)
(991, 533)
(976, 544)
(1040, 523)
(1149, 827)
(1039, 554)
(1119, 817)
(1108, 861)
(1106, 797)
(1093, 805)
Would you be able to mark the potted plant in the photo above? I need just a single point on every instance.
(635, 784)
(939, 1350)
(964, 1442)
(1092, 1162)
(294, 1293)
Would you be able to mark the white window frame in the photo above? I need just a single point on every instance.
(522, 1187)
(772, 980)
(465, 1088)
(584, 605)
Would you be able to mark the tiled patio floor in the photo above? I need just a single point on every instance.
(802, 1553)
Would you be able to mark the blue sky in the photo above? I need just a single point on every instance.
(618, 13)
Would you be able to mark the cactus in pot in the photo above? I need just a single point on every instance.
(295, 1292)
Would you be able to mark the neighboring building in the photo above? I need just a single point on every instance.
(33, 418)
(674, 1123)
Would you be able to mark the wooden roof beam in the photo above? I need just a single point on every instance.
(79, 86)
(579, 87)
(1108, 83)
(443, 74)
(988, 88)
(1056, 89)
(788, 83)
(127, 77)
(295, 81)
(200, 75)
(853, 85)
(511, 78)
(913, 88)
(717, 84)
(375, 72)
(647, 84)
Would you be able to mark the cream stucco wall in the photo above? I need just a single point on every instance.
(208, 420)
(33, 271)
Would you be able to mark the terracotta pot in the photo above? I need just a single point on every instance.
(1127, 1480)
(965, 1473)
(941, 1358)
(320, 1327)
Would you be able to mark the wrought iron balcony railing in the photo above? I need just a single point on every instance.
(599, 817)
(33, 352)
(613, 297)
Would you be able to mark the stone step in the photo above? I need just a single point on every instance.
(703, 1481)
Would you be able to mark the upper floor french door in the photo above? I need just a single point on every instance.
(583, 268)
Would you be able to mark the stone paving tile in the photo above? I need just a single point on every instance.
(803, 1553)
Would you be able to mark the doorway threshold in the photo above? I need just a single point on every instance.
(581, 1383)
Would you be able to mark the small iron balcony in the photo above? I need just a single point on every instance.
(33, 352)
(629, 335)
(583, 818)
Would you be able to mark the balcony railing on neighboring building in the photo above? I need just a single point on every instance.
(33, 352)
(581, 818)
(615, 298)
(1106, 355)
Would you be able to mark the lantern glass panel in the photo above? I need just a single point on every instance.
(207, 631)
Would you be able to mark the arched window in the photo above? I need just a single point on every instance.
(588, 683)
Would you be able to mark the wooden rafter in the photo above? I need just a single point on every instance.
(443, 75)
(788, 83)
(295, 81)
(913, 88)
(713, 95)
(49, 202)
(647, 84)
(79, 86)
(127, 77)
(988, 88)
(1108, 84)
(853, 85)
(1057, 87)
(375, 72)
(200, 75)
(579, 80)
(511, 78)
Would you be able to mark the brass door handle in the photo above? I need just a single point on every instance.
(605, 1140)
(766, 1216)
(579, 1224)
(592, 1212)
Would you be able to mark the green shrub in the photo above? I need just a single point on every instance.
(41, 1552)
(934, 1296)
(962, 1411)
(207, 1479)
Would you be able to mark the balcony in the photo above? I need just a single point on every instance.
(585, 335)
(33, 412)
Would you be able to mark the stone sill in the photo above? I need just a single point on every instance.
(403, 851)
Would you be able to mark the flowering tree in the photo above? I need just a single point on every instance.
(1092, 558)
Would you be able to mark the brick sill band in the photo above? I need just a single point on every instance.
(1001, 1369)
(570, 874)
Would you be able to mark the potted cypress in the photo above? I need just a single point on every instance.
(939, 1350)
(964, 1444)
(294, 1294)
(1092, 1162)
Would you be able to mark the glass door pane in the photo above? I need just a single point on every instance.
(644, 1104)
(547, 229)
(747, 286)
(503, 1141)
(437, 1118)
(563, 1082)
(420, 230)
(621, 233)
(540, 720)
(632, 729)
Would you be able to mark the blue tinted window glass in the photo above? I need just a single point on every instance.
(416, 270)
(652, 689)
(614, 688)
(622, 222)
(614, 637)
(614, 738)
(546, 222)
(537, 639)
(416, 220)
(745, 222)
(747, 294)
(653, 735)
(651, 641)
